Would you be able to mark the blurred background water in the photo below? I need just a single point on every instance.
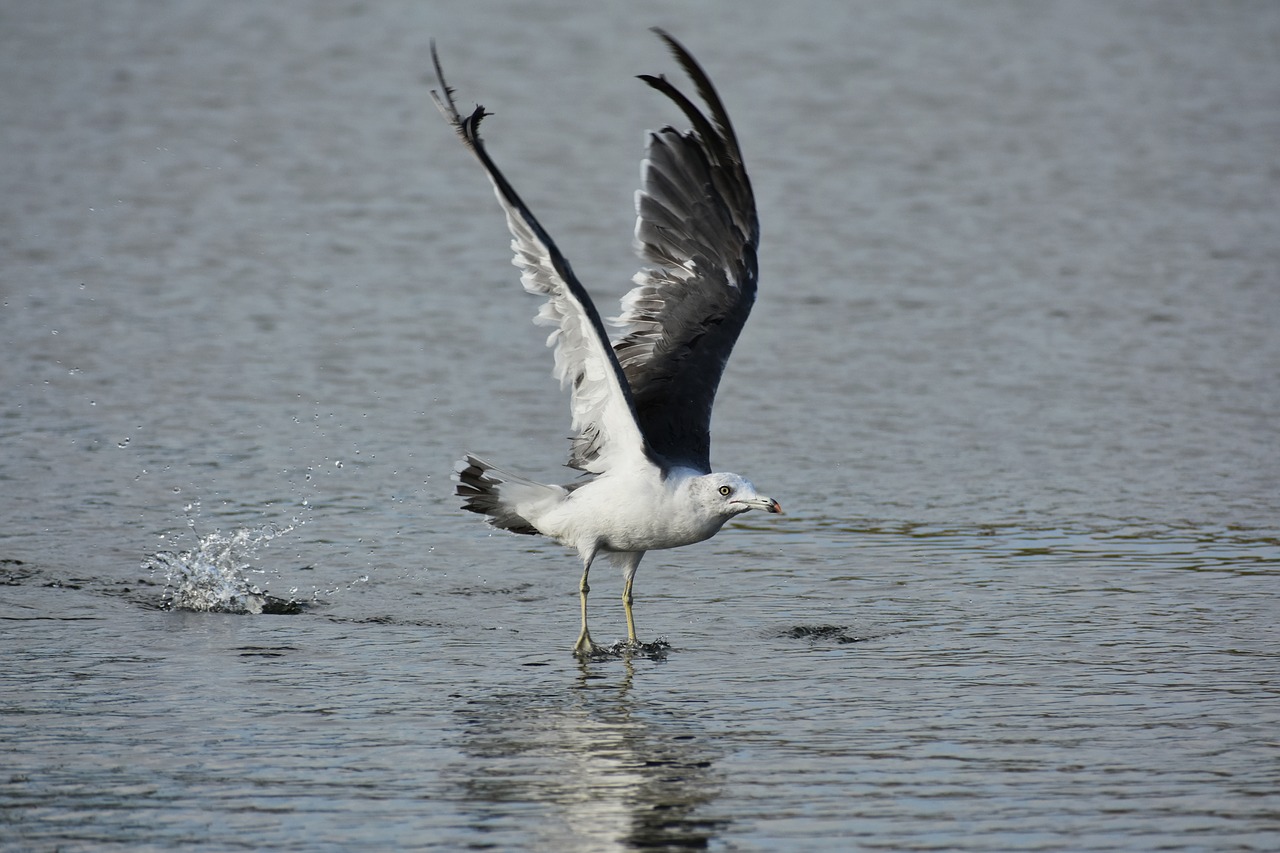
(1012, 373)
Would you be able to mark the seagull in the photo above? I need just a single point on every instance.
(641, 405)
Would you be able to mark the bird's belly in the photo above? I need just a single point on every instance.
(626, 516)
(649, 534)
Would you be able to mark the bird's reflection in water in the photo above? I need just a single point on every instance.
(588, 768)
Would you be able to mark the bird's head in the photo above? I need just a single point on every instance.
(730, 495)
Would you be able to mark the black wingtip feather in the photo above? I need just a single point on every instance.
(467, 128)
(705, 88)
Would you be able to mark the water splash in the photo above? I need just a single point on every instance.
(214, 575)
(624, 650)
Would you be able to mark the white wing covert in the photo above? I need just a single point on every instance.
(603, 415)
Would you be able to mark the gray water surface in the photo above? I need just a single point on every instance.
(1013, 374)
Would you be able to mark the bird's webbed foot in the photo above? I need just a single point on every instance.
(586, 649)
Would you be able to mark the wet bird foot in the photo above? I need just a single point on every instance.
(585, 648)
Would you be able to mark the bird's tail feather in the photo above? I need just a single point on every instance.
(507, 499)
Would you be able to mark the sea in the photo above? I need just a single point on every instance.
(1013, 374)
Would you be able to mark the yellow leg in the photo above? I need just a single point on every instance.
(626, 605)
(629, 562)
(584, 647)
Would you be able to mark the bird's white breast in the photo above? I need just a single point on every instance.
(633, 513)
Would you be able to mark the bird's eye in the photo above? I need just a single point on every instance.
(726, 491)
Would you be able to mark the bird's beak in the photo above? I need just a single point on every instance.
(766, 504)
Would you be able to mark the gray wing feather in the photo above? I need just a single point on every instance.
(696, 221)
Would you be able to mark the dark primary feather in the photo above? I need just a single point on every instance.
(696, 221)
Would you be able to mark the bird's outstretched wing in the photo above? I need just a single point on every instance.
(604, 416)
(696, 222)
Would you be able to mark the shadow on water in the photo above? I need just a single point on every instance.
(197, 593)
(608, 770)
(820, 634)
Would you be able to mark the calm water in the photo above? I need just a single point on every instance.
(1013, 374)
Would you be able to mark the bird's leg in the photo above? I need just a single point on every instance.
(626, 606)
(630, 562)
(584, 647)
